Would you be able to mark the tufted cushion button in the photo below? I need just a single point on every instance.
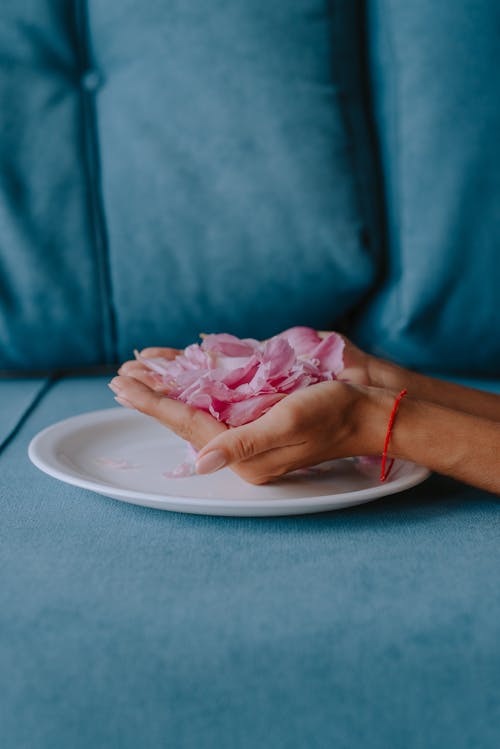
(91, 80)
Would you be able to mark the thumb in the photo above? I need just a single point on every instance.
(235, 445)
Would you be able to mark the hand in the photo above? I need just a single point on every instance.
(322, 422)
(336, 419)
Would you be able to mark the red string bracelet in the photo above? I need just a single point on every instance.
(384, 475)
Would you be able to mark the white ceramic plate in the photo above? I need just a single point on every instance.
(124, 454)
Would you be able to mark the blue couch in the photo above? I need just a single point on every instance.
(168, 168)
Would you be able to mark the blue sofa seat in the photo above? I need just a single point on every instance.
(126, 627)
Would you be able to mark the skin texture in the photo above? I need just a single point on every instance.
(451, 429)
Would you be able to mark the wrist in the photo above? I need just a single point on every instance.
(419, 432)
(385, 374)
(370, 416)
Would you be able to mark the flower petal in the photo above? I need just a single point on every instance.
(236, 414)
(330, 354)
(238, 380)
(230, 345)
(302, 340)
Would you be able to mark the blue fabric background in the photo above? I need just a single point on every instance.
(169, 169)
(228, 178)
(123, 627)
(52, 298)
(435, 93)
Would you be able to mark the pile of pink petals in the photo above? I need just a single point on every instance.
(237, 380)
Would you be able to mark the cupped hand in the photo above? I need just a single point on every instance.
(321, 422)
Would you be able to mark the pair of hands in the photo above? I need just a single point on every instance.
(322, 422)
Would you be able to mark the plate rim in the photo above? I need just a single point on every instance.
(419, 474)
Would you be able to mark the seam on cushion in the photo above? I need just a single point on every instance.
(349, 28)
(35, 400)
(91, 149)
(389, 174)
(396, 248)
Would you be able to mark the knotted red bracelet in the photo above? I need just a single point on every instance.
(384, 475)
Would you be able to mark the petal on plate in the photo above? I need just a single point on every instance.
(187, 467)
(182, 471)
(119, 463)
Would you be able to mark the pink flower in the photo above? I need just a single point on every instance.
(237, 380)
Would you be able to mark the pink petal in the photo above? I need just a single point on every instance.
(230, 345)
(279, 355)
(187, 467)
(330, 354)
(241, 370)
(119, 463)
(238, 380)
(157, 364)
(301, 339)
(297, 380)
(194, 357)
(182, 471)
(236, 414)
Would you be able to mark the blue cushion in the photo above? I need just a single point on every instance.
(172, 169)
(228, 178)
(124, 627)
(51, 301)
(433, 68)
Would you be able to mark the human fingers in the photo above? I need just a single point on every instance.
(156, 352)
(192, 424)
(312, 425)
(237, 446)
(275, 463)
(263, 454)
(130, 366)
(139, 372)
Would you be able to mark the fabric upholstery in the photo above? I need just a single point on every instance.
(125, 627)
(52, 300)
(172, 168)
(228, 177)
(437, 110)
(17, 397)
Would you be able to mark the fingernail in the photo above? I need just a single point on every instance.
(212, 461)
(115, 384)
(124, 402)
